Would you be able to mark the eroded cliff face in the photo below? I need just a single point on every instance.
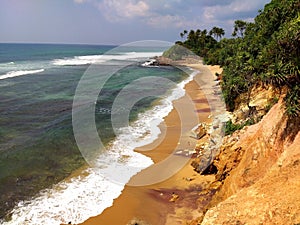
(258, 174)
(256, 103)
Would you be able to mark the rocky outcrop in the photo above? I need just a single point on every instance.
(257, 172)
(199, 131)
(255, 104)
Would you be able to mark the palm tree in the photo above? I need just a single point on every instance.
(220, 33)
(212, 32)
(191, 38)
(239, 28)
(182, 34)
(217, 33)
(198, 32)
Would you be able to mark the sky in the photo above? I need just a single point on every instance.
(117, 21)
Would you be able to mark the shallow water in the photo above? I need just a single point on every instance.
(37, 145)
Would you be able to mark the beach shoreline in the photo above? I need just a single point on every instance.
(168, 201)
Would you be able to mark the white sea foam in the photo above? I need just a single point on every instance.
(19, 73)
(148, 122)
(84, 196)
(89, 59)
(78, 199)
(8, 63)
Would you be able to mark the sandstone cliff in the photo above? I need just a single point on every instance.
(257, 170)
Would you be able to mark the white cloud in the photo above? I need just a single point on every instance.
(235, 10)
(184, 14)
(163, 21)
(138, 9)
(168, 21)
(116, 10)
(153, 13)
(244, 6)
(81, 1)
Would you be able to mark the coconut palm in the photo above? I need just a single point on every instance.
(217, 33)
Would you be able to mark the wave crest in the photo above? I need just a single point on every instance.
(19, 73)
(90, 59)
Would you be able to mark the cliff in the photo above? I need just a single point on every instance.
(257, 174)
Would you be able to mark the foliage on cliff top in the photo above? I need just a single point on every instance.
(266, 51)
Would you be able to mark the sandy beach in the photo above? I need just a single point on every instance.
(173, 200)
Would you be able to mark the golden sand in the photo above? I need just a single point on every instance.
(162, 203)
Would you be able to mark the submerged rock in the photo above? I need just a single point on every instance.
(150, 63)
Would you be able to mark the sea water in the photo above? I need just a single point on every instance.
(38, 151)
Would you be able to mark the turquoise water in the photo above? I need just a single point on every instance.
(37, 86)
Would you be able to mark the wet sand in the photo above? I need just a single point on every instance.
(172, 200)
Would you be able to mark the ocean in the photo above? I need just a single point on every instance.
(45, 175)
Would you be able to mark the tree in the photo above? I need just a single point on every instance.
(217, 33)
(267, 52)
(239, 28)
(220, 33)
(191, 39)
(182, 34)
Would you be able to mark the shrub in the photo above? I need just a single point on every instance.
(231, 127)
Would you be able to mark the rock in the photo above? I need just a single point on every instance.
(164, 61)
(258, 173)
(199, 131)
(136, 221)
(259, 100)
(189, 179)
(195, 164)
(216, 185)
(149, 63)
(174, 198)
(196, 221)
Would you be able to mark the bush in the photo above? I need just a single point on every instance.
(231, 127)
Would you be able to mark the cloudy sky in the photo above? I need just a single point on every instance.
(117, 21)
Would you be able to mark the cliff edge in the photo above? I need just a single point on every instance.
(257, 171)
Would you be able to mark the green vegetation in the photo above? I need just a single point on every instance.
(266, 51)
(201, 42)
(176, 52)
(231, 127)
